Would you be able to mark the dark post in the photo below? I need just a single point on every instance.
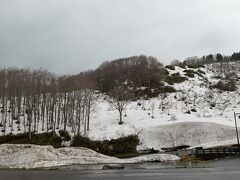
(237, 130)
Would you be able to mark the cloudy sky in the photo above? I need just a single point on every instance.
(68, 36)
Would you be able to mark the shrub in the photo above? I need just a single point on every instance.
(189, 73)
(65, 135)
(47, 139)
(195, 66)
(182, 66)
(170, 67)
(169, 80)
(165, 71)
(122, 145)
(230, 76)
(167, 89)
(175, 78)
(126, 144)
(38, 139)
(200, 71)
(82, 141)
(151, 93)
(217, 77)
(176, 74)
(229, 86)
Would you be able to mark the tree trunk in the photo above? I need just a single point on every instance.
(120, 116)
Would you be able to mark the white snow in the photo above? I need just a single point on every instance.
(34, 156)
(191, 133)
(153, 158)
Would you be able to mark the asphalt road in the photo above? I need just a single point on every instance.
(217, 170)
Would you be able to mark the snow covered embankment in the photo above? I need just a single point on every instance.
(34, 156)
(190, 133)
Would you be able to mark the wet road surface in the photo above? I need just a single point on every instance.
(215, 170)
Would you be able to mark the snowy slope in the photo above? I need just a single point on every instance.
(191, 133)
(196, 92)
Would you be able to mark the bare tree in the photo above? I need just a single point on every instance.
(152, 107)
(120, 99)
(163, 101)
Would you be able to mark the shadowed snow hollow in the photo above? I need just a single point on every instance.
(190, 133)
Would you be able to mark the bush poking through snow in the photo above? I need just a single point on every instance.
(175, 78)
(200, 71)
(121, 145)
(38, 139)
(65, 135)
(170, 67)
(195, 66)
(229, 86)
(189, 73)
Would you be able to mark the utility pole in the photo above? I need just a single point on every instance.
(237, 114)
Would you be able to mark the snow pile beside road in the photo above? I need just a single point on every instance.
(154, 157)
(190, 133)
(34, 156)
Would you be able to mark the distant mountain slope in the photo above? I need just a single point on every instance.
(135, 71)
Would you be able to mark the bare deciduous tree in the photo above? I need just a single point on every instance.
(120, 99)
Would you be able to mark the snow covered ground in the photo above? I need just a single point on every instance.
(34, 156)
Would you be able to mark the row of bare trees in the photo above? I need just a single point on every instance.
(38, 101)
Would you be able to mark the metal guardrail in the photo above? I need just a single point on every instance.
(218, 151)
(189, 152)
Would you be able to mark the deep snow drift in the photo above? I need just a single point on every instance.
(191, 133)
(34, 156)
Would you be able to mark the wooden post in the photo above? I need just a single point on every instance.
(237, 131)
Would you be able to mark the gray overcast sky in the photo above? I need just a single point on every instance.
(68, 36)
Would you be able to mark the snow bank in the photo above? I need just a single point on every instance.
(190, 133)
(153, 157)
(34, 156)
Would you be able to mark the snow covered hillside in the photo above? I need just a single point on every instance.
(198, 113)
(33, 156)
(155, 119)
